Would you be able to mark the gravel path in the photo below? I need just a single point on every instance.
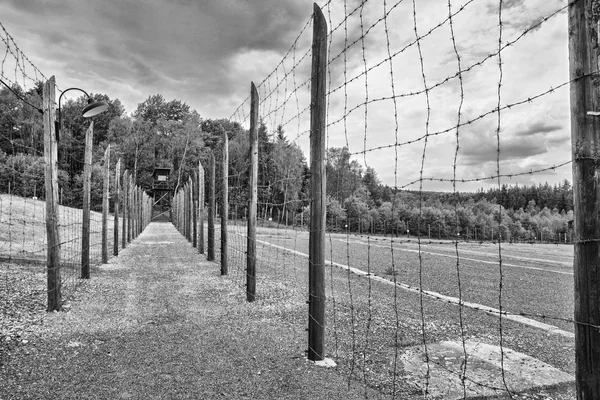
(158, 322)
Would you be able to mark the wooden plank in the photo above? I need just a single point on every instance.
(316, 296)
(87, 185)
(51, 185)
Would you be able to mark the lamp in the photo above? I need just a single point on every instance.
(93, 108)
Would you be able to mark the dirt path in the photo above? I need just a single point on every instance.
(158, 322)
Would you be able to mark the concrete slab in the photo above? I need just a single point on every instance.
(483, 370)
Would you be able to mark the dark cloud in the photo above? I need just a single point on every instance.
(537, 128)
(155, 45)
(477, 153)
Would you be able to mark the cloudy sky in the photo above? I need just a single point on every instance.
(206, 53)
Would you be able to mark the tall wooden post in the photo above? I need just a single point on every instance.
(129, 207)
(252, 196)
(211, 209)
(105, 194)
(189, 209)
(224, 204)
(201, 208)
(87, 181)
(51, 185)
(316, 290)
(125, 208)
(116, 211)
(140, 206)
(195, 198)
(584, 52)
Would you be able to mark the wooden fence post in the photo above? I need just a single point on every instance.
(125, 202)
(105, 205)
(116, 211)
(51, 185)
(87, 181)
(585, 139)
(127, 189)
(195, 197)
(316, 297)
(224, 204)
(140, 192)
(211, 209)
(188, 198)
(252, 196)
(201, 208)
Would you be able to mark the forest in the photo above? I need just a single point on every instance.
(161, 133)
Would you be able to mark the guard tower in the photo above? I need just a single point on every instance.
(162, 191)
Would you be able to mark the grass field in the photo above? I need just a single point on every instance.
(23, 251)
(370, 322)
(23, 231)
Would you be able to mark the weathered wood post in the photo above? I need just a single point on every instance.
(195, 196)
(211, 209)
(125, 208)
(584, 20)
(87, 180)
(116, 211)
(224, 204)
(201, 208)
(252, 196)
(51, 185)
(318, 104)
(105, 205)
(129, 207)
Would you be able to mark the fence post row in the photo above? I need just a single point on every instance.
(253, 197)
(105, 194)
(116, 211)
(224, 204)
(585, 136)
(316, 282)
(87, 180)
(51, 185)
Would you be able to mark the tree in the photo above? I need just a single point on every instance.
(344, 176)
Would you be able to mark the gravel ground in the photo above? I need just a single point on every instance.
(152, 324)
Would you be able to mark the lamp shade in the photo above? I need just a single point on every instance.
(94, 108)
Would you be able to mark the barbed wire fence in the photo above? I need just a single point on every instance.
(86, 220)
(389, 96)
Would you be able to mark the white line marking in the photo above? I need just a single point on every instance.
(468, 259)
(438, 296)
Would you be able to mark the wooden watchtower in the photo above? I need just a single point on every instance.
(162, 191)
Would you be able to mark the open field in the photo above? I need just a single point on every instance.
(371, 323)
(23, 232)
(23, 252)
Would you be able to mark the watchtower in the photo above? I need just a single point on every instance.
(162, 191)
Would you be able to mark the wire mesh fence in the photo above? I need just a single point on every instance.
(417, 284)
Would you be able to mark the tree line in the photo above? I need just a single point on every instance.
(161, 133)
